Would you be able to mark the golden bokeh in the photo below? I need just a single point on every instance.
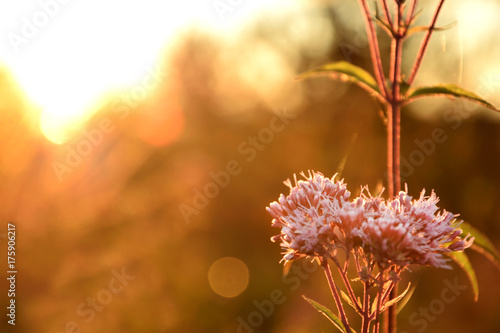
(228, 277)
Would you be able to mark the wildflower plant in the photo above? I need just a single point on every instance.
(318, 219)
(379, 237)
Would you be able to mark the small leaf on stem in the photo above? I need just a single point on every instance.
(385, 25)
(403, 87)
(327, 313)
(406, 298)
(397, 299)
(463, 261)
(347, 72)
(422, 28)
(481, 243)
(447, 90)
(348, 299)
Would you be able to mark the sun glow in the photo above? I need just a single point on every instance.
(68, 57)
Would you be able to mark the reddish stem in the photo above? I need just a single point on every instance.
(350, 291)
(394, 135)
(333, 289)
(379, 301)
(394, 112)
(387, 292)
(412, 6)
(425, 43)
(366, 308)
(388, 15)
(394, 100)
(374, 49)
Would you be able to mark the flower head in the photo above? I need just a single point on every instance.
(317, 218)
(405, 231)
(306, 216)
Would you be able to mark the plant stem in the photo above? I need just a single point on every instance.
(366, 308)
(350, 291)
(374, 49)
(393, 148)
(425, 43)
(394, 100)
(379, 301)
(387, 292)
(333, 289)
(387, 14)
(394, 135)
(412, 6)
(394, 111)
(393, 167)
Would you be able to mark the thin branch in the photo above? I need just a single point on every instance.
(379, 303)
(350, 291)
(425, 43)
(387, 292)
(394, 138)
(411, 11)
(393, 113)
(388, 15)
(333, 289)
(374, 49)
(366, 308)
(357, 254)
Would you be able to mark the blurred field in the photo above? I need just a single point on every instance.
(127, 203)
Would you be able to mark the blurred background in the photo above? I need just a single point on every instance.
(142, 141)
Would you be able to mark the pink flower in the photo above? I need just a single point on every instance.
(307, 216)
(317, 218)
(404, 232)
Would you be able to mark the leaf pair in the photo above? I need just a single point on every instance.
(347, 72)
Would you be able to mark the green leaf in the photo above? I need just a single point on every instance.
(388, 303)
(375, 299)
(448, 90)
(327, 313)
(463, 261)
(481, 243)
(347, 72)
(422, 28)
(383, 24)
(348, 299)
(396, 299)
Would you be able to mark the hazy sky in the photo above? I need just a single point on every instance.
(69, 56)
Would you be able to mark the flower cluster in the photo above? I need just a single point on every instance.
(317, 218)
(305, 216)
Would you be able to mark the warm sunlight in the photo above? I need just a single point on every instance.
(69, 56)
